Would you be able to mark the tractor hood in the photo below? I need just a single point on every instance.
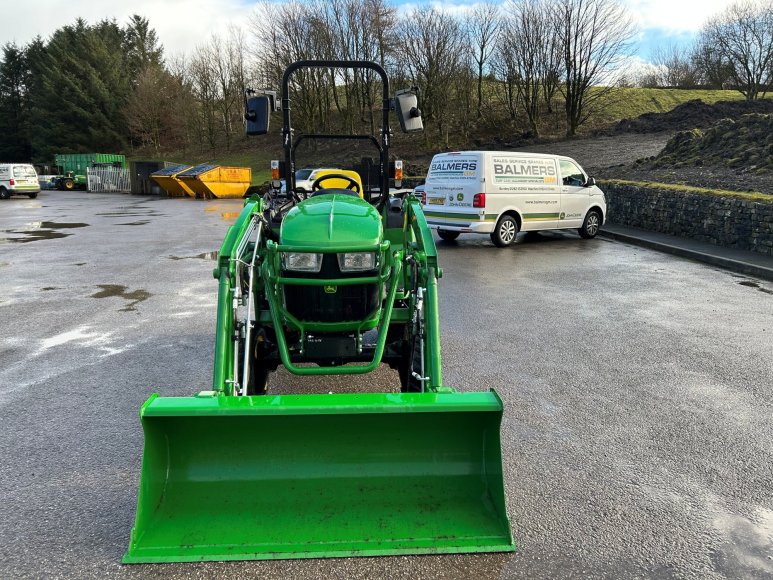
(332, 220)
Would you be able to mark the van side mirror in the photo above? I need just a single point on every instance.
(590, 182)
(408, 112)
(257, 115)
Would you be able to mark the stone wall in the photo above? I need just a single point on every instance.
(726, 221)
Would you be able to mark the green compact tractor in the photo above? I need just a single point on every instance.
(339, 281)
(69, 181)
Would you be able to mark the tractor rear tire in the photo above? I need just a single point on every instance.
(447, 235)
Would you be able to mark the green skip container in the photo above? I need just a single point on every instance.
(309, 476)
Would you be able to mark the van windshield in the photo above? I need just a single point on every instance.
(24, 171)
(302, 174)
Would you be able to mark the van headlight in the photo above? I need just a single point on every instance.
(301, 261)
(357, 261)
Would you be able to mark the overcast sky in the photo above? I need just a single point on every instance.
(182, 24)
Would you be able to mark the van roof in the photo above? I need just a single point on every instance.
(518, 153)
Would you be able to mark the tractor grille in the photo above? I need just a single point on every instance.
(315, 304)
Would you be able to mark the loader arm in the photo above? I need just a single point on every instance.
(228, 262)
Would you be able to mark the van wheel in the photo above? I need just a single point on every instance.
(505, 232)
(4, 194)
(447, 235)
(33, 195)
(591, 225)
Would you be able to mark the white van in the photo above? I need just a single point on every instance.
(18, 179)
(502, 193)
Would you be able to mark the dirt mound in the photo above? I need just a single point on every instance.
(690, 115)
(745, 143)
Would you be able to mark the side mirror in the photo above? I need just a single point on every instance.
(590, 182)
(257, 115)
(408, 112)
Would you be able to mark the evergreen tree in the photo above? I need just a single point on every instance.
(142, 48)
(14, 77)
(82, 93)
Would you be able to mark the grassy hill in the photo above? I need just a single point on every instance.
(627, 103)
(620, 103)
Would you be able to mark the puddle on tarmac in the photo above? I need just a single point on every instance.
(35, 231)
(35, 235)
(60, 225)
(137, 223)
(228, 212)
(746, 549)
(79, 264)
(753, 284)
(131, 211)
(202, 256)
(47, 288)
(119, 291)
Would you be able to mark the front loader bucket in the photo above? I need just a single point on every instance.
(307, 476)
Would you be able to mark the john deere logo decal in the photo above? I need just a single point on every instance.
(459, 197)
(561, 216)
(330, 289)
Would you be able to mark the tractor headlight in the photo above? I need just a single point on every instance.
(302, 261)
(357, 261)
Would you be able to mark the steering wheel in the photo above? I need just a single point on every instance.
(351, 183)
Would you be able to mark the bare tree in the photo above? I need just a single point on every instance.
(595, 37)
(675, 65)
(743, 38)
(203, 79)
(712, 69)
(151, 111)
(503, 66)
(433, 42)
(332, 29)
(483, 23)
(527, 43)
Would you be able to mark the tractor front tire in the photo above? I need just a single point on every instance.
(69, 185)
(257, 383)
(411, 364)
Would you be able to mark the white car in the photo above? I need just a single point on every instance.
(18, 179)
(304, 178)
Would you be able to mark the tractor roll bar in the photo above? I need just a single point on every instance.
(287, 138)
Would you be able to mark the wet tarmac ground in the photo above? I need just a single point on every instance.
(637, 436)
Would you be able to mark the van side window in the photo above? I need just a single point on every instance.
(572, 174)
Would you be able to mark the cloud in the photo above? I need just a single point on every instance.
(180, 24)
(672, 16)
(183, 24)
